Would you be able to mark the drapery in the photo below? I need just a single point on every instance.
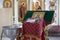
(33, 31)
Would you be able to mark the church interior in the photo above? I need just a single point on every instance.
(29, 20)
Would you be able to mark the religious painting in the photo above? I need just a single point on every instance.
(21, 10)
(7, 4)
(37, 5)
(52, 5)
(38, 14)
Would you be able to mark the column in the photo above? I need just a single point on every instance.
(31, 4)
(59, 12)
(47, 4)
(27, 4)
(16, 11)
(43, 4)
(56, 14)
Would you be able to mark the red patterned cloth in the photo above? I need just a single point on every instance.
(35, 29)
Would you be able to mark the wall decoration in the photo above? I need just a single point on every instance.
(21, 10)
(38, 14)
(52, 5)
(37, 5)
(7, 4)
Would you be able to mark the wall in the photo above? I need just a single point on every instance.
(6, 17)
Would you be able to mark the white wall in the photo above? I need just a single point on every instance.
(16, 11)
(6, 17)
(31, 4)
(57, 13)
